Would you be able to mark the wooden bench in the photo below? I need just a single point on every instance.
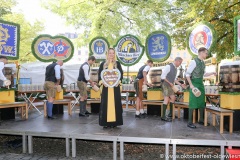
(61, 101)
(221, 112)
(182, 105)
(89, 101)
(178, 105)
(23, 106)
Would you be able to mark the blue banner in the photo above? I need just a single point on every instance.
(158, 46)
(9, 39)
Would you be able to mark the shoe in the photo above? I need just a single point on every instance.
(202, 123)
(87, 112)
(51, 117)
(166, 119)
(144, 114)
(169, 116)
(83, 115)
(113, 126)
(190, 125)
(139, 116)
(105, 127)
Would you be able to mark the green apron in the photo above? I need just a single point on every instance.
(197, 102)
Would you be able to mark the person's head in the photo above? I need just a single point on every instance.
(3, 59)
(150, 62)
(178, 61)
(202, 53)
(91, 60)
(60, 62)
(111, 55)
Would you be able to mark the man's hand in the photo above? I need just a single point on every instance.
(145, 82)
(92, 83)
(183, 86)
(149, 84)
(191, 86)
(214, 73)
(171, 84)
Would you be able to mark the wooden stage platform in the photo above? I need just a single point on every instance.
(148, 130)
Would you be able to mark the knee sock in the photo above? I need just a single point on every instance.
(190, 115)
(49, 108)
(85, 106)
(164, 110)
(201, 114)
(82, 107)
(171, 109)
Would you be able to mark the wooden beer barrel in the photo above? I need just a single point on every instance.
(94, 74)
(229, 76)
(154, 76)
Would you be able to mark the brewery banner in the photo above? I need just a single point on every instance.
(237, 35)
(201, 34)
(9, 39)
(129, 50)
(161, 64)
(158, 46)
(47, 48)
(98, 48)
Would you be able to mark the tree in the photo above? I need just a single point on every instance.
(112, 18)
(5, 7)
(186, 13)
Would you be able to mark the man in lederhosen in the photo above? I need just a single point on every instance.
(168, 78)
(140, 80)
(83, 79)
(3, 61)
(52, 80)
(194, 75)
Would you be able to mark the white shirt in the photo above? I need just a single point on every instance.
(146, 69)
(86, 69)
(165, 71)
(57, 71)
(191, 67)
(2, 77)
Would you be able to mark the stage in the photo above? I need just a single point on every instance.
(148, 130)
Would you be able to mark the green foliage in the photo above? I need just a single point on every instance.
(112, 18)
(5, 7)
(220, 14)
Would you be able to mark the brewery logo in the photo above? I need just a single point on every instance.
(47, 48)
(61, 48)
(237, 35)
(9, 39)
(158, 46)
(201, 35)
(98, 48)
(129, 50)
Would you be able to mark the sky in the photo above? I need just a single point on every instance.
(33, 11)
